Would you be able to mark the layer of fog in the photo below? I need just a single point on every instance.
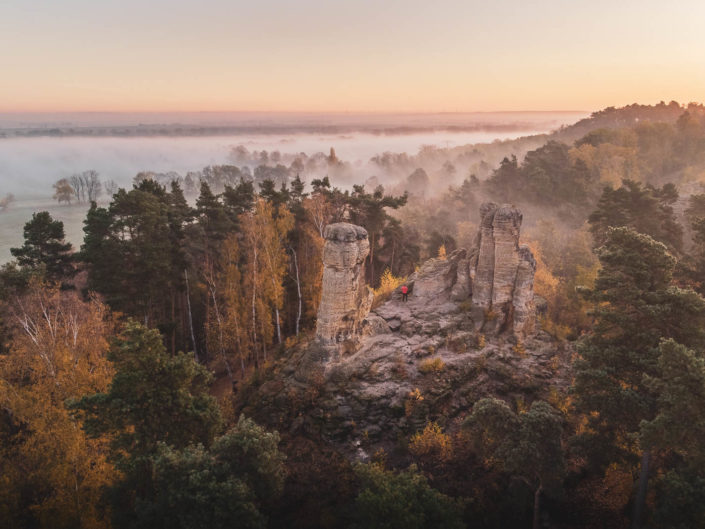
(30, 166)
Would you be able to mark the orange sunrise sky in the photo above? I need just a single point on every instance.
(334, 55)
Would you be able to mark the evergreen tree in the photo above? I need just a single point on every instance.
(101, 250)
(505, 182)
(138, 251)
(403, 500)
(154, 400)
(278, 199)
(635, 308)
(221, 487)
(44, 247)
(526, 445)
(369, 210)
(213, 219)
(140, 222)
(647, 210)
(239, 199)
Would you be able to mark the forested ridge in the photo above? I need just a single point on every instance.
(125, 364)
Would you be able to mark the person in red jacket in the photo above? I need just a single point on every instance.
(404, 293)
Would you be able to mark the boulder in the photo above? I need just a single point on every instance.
(437, 276)
(462, 288)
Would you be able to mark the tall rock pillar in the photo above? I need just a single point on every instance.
(483, 275)
(502, 273)
(345, 298)
(523, 301)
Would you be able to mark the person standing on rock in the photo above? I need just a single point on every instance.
(404, 293)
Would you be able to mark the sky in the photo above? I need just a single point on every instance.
(348, 55)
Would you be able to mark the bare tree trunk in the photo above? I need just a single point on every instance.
(274, 286)
(190, 317)
(242, 358)
(239, 345)
(220, 337)
(298, 290)
(279, 332)
(173, 322)
(254, 311)
(206, 348)
(537, 508)
(391, 261)
(640, 499)
(372, 260)
(238, 338)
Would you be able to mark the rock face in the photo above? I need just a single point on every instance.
(502, 273)
(436, 276)
(414, 362)
(523, 301)
(497, 275)
(465, 332)
(345, 298)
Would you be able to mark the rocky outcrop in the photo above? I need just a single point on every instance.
(345, 298)
(427, 359)
(497, 275)
(414, 362)
(502, 273)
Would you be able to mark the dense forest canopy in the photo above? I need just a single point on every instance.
(124, 364)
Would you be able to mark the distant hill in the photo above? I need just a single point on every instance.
(613, 118)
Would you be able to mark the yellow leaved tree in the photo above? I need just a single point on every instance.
(50, 470)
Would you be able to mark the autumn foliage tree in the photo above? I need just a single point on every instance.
(267, 260)
(52, 473)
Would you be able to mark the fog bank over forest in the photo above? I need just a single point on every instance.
(36, 150)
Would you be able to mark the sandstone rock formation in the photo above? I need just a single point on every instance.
(523, 300)
(497, 275)
(414, 362)
(345, 298)
(502, 273)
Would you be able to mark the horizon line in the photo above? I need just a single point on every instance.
(323, 112)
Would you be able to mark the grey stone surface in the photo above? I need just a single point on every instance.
(502, 273)
(345, 298)
(366, 397)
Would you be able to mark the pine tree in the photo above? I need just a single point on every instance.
(44, 247)
(524, 445)
(635, 308)
(369, 210)
(155, 400)
(647, 210)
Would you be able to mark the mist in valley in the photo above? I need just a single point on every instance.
(369, 149)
